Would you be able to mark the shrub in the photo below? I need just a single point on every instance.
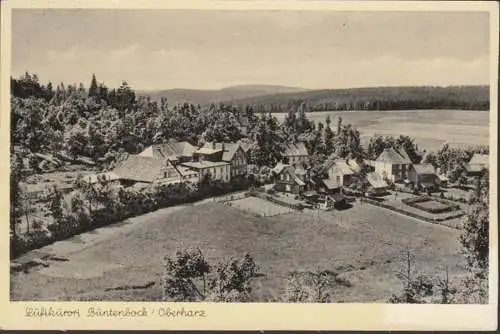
(311, 287)
(228, 281)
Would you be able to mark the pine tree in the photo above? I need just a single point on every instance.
(93, 87)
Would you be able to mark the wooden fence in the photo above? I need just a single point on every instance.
(440, 221)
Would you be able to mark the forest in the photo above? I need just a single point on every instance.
(377, 98)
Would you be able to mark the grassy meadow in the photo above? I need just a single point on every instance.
(365, 243)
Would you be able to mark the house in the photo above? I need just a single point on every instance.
(354, 165)
(173, 150)
(393, 164)
(296, 154)
(331, 186)
(423, 174)
(208, 153)
(234, 154)
(377, 185)
(477, 165)
(218, 170)
(136, 168)
(442, 180)
(340, 171)
(286, 180)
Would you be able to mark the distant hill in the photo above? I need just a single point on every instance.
(373, 98)
(203, 97)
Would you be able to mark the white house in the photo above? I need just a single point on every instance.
(339, 171)
(393, 164)
(218, 170)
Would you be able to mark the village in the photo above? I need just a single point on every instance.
(391, 175)
(391, 181)
(244, 157)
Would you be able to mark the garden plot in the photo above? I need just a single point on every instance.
(260, 206)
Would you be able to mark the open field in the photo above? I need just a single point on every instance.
(430, 128)
(259, 206)
(365, 243)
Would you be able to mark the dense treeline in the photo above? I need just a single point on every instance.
(98, 122)
(378, 98)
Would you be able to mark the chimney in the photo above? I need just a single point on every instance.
(223, 146)
(213, 145)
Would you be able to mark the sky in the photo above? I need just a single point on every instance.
(201, 49)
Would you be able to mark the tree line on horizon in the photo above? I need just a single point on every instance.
(376, 98)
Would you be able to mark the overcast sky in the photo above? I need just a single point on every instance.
(162, 49)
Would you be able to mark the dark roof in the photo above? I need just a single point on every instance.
(139, 168)
(229, 149)
(390, 155)
(338, 197)
(293, 150)
(424, 169)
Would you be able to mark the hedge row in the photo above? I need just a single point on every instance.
(129, 203)
(414, 202)
(414, 215)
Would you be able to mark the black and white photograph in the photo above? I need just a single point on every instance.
(251, 156)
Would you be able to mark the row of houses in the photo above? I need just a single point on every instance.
(392, 166)
(174, 161)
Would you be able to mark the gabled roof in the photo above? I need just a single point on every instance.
(480, 159)
(353, 164)
(424, 169)
(402, 152)
(341, 165)
(229, 149)
(247, 145)
(331, 184)
(390, 155)
(171, 149)
(293, 150)
(279, 167)
(291, 171)
(298, 180)
(182, 148)
(208, 150)
(139, 168)
(475, 168)
(375, 180)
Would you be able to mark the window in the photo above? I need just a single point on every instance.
(338, 179)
